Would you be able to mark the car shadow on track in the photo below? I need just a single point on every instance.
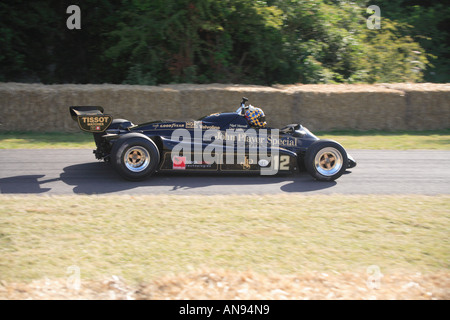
(100, 178)
(27, 184)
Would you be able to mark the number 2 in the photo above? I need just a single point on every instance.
(283, 164)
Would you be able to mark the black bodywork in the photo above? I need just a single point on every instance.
(293, 143)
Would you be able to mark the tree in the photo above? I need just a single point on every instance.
(234, 41)
(429, 23)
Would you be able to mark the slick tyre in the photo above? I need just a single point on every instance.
(135, 157)
(326, 160)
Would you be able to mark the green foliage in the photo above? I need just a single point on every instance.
(430, 27)
(401, 60)
(234, 41)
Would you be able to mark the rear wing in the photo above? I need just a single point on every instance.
(90, 119)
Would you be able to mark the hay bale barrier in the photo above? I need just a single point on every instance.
(356, 107)
(390, 107)
(427, 106)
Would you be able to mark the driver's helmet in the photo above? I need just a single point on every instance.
(255, 117)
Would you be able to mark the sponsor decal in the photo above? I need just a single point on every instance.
(246, 164)
(238, 126)
(200, 125)
(207, 127)
(254, 139)
(263, 163)
(194, 125)
(94, 123)
(284, 142)
(198, 164)
(172, 125)
(237, 147)
(179, 163)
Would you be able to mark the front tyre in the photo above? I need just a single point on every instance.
(135, 157)
(326, 160)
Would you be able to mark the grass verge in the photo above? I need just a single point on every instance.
(143, 238)
(48, 140)
(400, 140)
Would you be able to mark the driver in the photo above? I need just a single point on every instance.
(255, 116)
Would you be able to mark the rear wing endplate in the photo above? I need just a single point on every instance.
(90, 119)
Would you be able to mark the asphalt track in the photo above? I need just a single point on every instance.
(71, 171)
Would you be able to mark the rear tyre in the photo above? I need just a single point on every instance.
(326, 160)
(135, 157)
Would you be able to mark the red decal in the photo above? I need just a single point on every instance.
(179, 163)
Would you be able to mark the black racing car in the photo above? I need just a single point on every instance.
(220, 142)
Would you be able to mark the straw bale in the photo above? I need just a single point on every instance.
(200, 100)
(46, 108)
(37, 107)
(427, 105)
(359, 107)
